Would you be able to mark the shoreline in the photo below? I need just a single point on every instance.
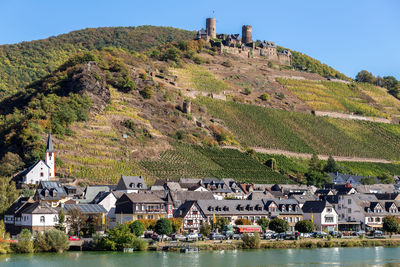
(284, 244)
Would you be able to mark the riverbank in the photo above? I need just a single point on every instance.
(285, 244)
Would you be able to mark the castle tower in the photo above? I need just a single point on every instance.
(211, 27)
(247, 34)
(50, 156)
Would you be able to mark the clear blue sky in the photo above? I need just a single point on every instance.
(349, 35)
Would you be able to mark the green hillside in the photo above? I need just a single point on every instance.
(26, 62)
(255, 126)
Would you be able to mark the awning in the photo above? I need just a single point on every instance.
(349, 223)
(375, 225)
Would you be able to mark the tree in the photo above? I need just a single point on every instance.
(386, 178)
(61, 220)
(368, 180)
(8, 194)
(163, 227)
(25, 243)
(317, 178)
(4, 245)
(10, 164)
(279, 225)
(40, 243)
(221, 222)
(137, 228)
(243, 222)
(56, 240)
(176, 224)
(305, 226)
(391, 224)
(205, 229)
(331, 165)
(147, 92)
(365, 77)
(149, 224)
(118, 238)
(314, 164)
(264, 223)
(76, 220)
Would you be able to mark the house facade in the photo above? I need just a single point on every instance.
(322, 214)
(192, 216)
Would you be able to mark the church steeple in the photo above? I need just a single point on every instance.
(50, 157)
(49, 147)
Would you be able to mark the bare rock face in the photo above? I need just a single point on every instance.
(89, 79)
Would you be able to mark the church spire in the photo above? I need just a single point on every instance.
(49, 147)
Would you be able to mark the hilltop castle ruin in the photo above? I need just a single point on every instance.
(243, 46)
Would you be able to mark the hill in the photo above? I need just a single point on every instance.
(26, 62)
(117, 111)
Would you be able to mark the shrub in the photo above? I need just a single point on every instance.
(227, 64)
(264, 223)
(25, 243)
(176, 224)
(147, 92)
(205, 229)
(180, 135)
(264, 97)
(391, 224)
(56, 240)
(251, 241)
(137, 228)
(139, 244)
(247, 91)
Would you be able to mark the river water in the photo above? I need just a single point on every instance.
(374, 256)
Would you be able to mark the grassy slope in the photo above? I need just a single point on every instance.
(261, 127)
(23, 63)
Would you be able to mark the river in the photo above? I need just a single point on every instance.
(373, 256)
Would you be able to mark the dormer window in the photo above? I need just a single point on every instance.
(132, 185)
(139, 185)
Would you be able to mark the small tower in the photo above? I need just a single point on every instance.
(211, 27)
(247, 34)
(50, 156)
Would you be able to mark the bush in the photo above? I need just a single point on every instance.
(205, 229)
(149, 224)
(264, 97)
(147, 92)
(247, 91)
(227, 64)
(137, 228)
(163, 227)
(139, 244)
(56, 240)
(251, 241)
(25, 243)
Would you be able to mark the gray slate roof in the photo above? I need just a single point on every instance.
(131, 183)
(86, 208)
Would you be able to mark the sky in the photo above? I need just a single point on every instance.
(349, 35)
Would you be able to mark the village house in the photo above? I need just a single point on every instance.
(107, 200)
(322, 214)
(37, 217)
(192, 216)
(131, 184)
(143, 205)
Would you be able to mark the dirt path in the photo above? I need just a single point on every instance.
(323, 157)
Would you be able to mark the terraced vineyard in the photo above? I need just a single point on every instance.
(361, 99)
(191, 161)
(256, 126)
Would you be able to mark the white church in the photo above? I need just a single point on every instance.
(41, 170)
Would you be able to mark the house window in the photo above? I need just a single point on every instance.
(55, 219)
(190, 222)
(329, 219)
(195, 212)
(349, 201)
(41, 174)
(349, 210)
(140, 217)
(329, 210)
(377, 219)
(42, 220)
(150, 217)
(370, 219)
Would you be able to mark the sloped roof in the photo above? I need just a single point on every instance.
(228, 207)
(315, 206)
(184, 196)
(131, 183)
(260, 195)
(26, 171)
(91, 192)
(39, 207)
(86, 208)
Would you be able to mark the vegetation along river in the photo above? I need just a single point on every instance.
(371, 256)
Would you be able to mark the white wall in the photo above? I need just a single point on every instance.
(51, 163)
(34, 219)
(34, 177)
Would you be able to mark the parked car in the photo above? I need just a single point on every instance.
(269, 234)
(236, 236)
(148, 234)
(216, 236)
(376, 233)
(307, 235)
(74, 238)
(335, 234)
(178, 237)
(320, 234)
(192, 236)
(359, 233)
